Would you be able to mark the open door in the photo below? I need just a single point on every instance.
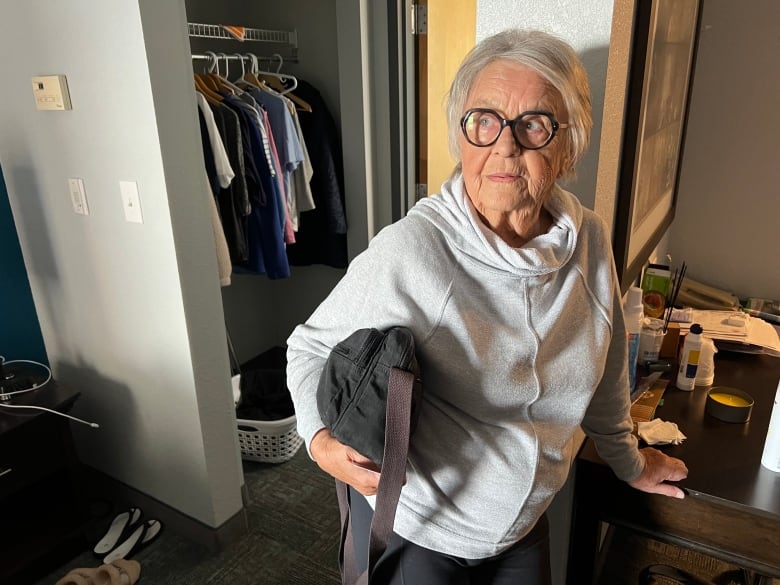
(446, 31)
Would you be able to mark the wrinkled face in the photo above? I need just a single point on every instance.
(505, 177)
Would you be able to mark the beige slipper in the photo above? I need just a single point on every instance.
(119, 572)
(80, 576)
(75, 578)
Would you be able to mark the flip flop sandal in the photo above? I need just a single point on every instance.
(116, 531)
(139, 537)
(120, 572)
(153, 529)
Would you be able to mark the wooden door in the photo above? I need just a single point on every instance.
(451, 33)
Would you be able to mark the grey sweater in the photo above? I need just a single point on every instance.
(518, 347)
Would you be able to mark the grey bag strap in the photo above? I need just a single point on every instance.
(396, 451)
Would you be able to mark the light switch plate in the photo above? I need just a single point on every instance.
(51, 92)
(131, 202)
(78, 196)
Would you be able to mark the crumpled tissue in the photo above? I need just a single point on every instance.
(659, 432)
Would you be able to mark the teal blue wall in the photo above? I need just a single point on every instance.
(20, 333)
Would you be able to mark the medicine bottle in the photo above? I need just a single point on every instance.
(689, 358)
(634, 315)
(705, 373)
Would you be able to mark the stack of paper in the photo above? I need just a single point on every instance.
(740, 331)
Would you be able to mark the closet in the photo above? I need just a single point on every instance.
(299, 39)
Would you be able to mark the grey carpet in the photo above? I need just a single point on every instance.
(293, 536)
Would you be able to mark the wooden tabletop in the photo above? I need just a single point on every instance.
(732, 510)
(724, 459)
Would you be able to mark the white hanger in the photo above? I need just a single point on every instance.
(282, 76)
(224, 78)
(213, 63)
(241, 59)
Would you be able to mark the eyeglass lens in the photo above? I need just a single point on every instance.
(531, 130)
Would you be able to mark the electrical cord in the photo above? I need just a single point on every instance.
(35, 386)
(4, 396)
(89, 424)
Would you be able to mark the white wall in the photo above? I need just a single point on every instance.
(726, 225)
(130, 313)
(586, 27)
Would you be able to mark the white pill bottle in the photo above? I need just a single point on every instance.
(689, 358)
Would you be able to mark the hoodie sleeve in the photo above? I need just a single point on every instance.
(382, 288)
(608, 418)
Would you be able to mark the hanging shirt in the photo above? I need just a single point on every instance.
(288, 146)
(267, 254)
(224, 266)
(230, 129)
(301, 198)
(208, 154)
(231, 202)
(321, 236)
(224, 171)
(284, 215)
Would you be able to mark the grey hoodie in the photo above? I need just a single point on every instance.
(518, 347)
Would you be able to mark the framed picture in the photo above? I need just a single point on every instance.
(661, 66)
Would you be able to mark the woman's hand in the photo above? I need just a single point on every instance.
(660, 468)
(344, 463)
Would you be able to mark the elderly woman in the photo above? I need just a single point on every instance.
(509, 287)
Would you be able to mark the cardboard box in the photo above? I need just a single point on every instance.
(671, 342)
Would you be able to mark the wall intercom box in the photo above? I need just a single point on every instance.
(51, 92)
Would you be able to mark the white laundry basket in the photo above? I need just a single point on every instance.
(268, 441)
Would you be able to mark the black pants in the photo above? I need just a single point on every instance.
(404, 563)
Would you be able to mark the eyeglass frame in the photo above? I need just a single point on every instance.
(511, 123)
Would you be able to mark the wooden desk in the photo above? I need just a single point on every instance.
(43, 514)
(732, 511)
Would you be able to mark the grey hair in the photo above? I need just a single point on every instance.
(547, 55)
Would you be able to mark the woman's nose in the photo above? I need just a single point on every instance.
(507, 144)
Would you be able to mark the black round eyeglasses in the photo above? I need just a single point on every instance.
(532, 130)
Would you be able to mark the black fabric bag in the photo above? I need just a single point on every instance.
(369, 396)
(352, 392)
(264, 392)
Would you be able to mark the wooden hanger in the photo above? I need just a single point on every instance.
(211, 96)
(205, 82)
(206, 87)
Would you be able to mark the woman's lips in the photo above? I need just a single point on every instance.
(503, 177)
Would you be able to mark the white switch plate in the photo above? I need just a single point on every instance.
(78, 196)
(51, 92)
(131, 202)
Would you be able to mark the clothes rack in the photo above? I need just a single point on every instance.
(223, 56)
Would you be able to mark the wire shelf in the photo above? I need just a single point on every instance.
(215, 31)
